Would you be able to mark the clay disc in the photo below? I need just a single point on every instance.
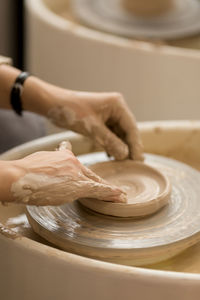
(109, 16)
(139, 241)
(147, 189)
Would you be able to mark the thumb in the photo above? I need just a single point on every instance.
(113, 145)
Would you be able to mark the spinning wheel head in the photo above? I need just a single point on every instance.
(142, 241)
(169, 19)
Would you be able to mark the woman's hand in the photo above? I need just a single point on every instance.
(104, 117)
(55, 178)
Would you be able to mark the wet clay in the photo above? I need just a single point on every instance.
(7, 232)
(147, 189)
(58, 177)
(41, 189)
(148, 7)
(132, 241)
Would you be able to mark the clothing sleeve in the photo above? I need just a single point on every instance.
(5, 60)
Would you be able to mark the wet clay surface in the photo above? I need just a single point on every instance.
(14, 223)
(125, 240)
(188, 261)
(147, 189)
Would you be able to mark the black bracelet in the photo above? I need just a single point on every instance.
(16, 92)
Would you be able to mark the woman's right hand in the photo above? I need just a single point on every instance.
(55, 178)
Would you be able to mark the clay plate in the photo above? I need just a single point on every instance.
(147, 189)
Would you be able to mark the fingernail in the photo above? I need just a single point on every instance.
(122, 197)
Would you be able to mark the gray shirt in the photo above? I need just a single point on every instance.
(15, 130)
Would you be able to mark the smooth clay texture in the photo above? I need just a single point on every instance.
(148, 7)
(131, 241)
(147, 189)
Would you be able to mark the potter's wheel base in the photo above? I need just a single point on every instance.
(109, 16)
(124, 240)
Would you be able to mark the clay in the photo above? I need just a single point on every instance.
(187, 150)
(148, 7)
(131, 241)
(7, 232)
(145, 19)
(41, 189)
(147, 189)
(57, 177)
(64, 145)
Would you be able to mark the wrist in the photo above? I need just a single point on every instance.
(8, 176)
(36, 96)
(8, 76)
(40, 97)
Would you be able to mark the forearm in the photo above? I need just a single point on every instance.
(7, 177)
(7, 78)
(36, 96)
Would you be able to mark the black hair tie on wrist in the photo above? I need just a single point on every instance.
(16, 92)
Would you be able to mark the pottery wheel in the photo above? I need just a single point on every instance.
(109, 16)
(142, 241)
(147, 189)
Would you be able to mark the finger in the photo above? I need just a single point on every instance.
(113, 145)
(102, 191)
(91, 175)
(133, 139)
(64, 145)
(136, 148)
(127, 122)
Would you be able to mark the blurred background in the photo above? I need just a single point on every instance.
(86, 45)
(13, 129)
(11, 30)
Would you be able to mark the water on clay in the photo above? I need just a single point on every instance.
(14, 217)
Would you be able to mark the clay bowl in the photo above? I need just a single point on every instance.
(147, 189)
(131, 240)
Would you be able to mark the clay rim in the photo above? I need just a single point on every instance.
(163, 195)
